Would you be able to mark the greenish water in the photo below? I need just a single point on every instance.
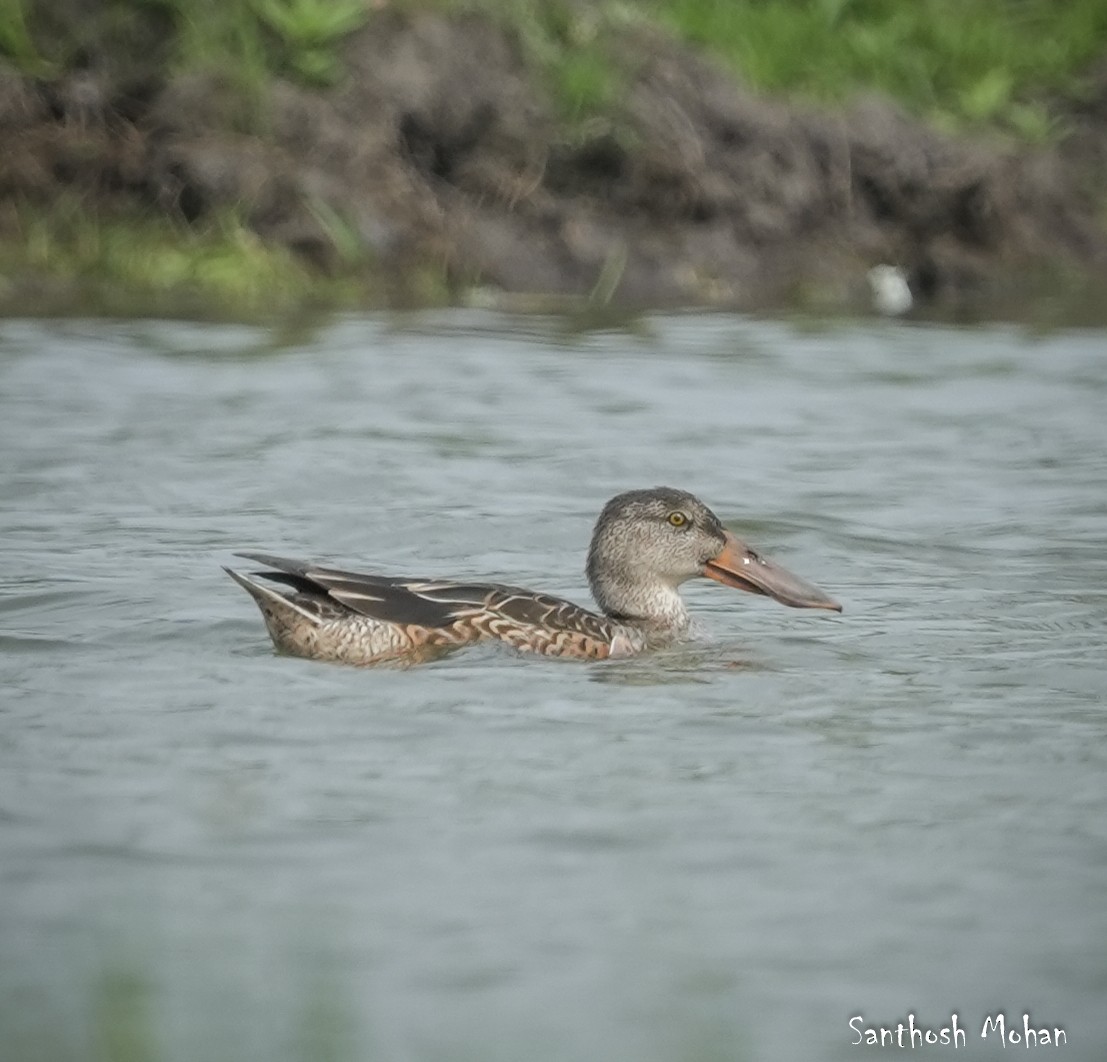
(724, 851)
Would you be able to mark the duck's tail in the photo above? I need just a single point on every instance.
(291, 625)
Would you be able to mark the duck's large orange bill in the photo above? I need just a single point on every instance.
(741, 567)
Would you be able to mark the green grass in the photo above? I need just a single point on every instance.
(958, 62)
(306, 33)
(567, 43)
(225, 39)
(70, 254)
(16, 43)
(255, 40)
(249, 40)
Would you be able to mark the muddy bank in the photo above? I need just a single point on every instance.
(441, 150)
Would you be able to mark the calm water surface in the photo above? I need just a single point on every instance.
(722, 852)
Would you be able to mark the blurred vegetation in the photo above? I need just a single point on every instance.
(15, 40)
(123, 1014)
(984, 62)
(306, 31)
(980, 64)
(249, 40)
(571, 44)
(959, 64)
(74, 256)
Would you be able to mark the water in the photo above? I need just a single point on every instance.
(724, 851)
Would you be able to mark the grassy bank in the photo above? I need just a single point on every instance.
(71, 258)
(990, 65)
(961, 65)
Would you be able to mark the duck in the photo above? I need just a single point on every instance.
(645, 545)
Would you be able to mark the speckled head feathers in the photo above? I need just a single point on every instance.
(645, 544)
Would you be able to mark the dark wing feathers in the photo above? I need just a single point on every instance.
(312, 572)
(433, 603)
(282, 564)
(386, 599)
(379, 596)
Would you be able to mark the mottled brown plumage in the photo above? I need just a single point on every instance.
(645, 544)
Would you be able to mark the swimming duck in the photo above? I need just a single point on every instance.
(645, 544)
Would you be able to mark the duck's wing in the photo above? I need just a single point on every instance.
(523, 618)
(381, 597)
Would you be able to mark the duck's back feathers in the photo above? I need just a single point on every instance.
(523, 618)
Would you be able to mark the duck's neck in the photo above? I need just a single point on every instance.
(656, 606)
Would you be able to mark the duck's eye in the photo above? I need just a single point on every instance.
(677, 518)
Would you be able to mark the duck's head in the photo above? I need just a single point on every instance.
(647, 542)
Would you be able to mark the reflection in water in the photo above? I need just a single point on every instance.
(721, 850)
(124, 1018)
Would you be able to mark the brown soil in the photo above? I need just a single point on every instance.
(441, 147)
